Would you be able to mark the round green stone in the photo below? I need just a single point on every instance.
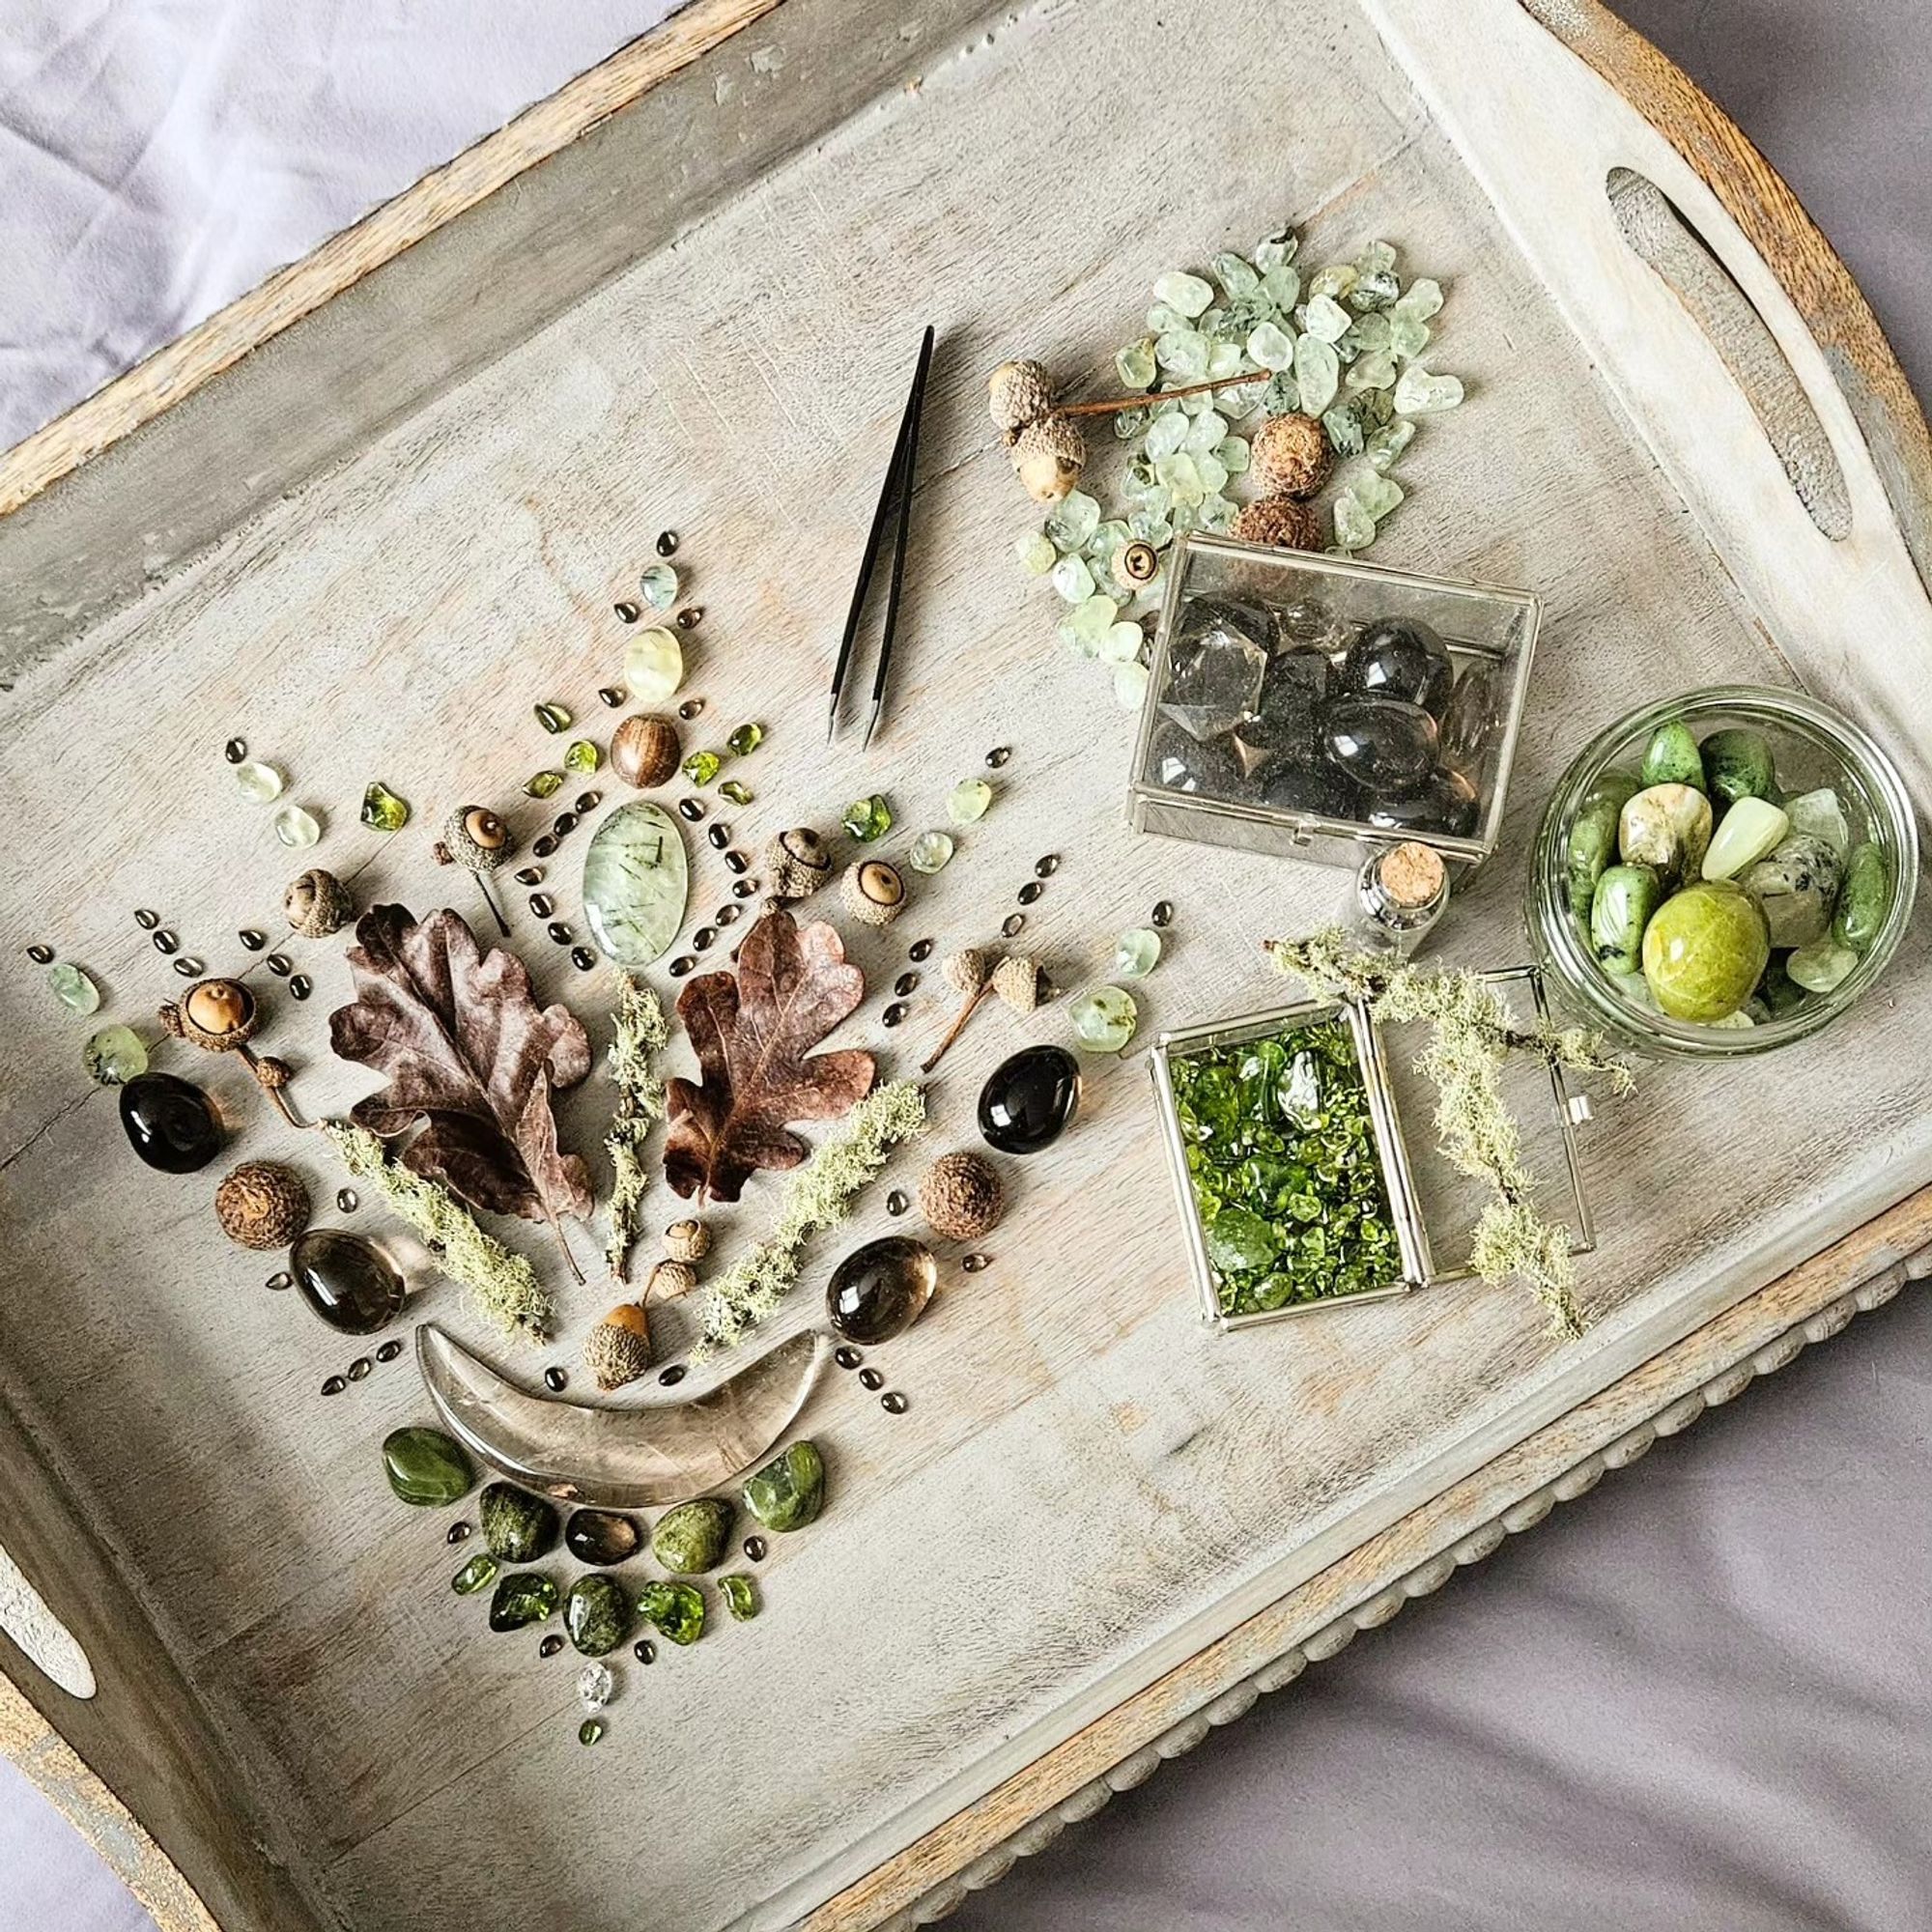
(1704, 949)
(789, 1491)
(581, 756)
(867, 819)
(701, 767)
(1672, 757)
(426, 1467)
(741, 1596)
(745, 739)
(659, 586)
(598, 1614)
(1863, 899)
(478, 1573)
(1136, 952)
(1738, 764)
(1104, 1020)
(589, 1732)
(295, 827)
(931, 852)
(257, 783)
(74, 988)
(653, 665)
(676, 1611)
(690, 1539)
(114, 1056)
(527, 1597)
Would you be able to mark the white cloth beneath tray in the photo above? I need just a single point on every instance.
(1700, 1699)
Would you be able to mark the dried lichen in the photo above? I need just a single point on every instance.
(1471, 1032)
(641, 1032)
(502, 1283)
(819, 1196)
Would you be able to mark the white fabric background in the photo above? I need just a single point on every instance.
(1701, 1699)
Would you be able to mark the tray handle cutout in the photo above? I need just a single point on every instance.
(45, 1642)
(1656, 233)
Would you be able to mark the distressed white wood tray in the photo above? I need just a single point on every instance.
(370, 514)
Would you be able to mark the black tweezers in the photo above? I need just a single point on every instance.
(900, 476)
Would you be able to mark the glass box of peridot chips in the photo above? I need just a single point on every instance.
(1296, 1186)
(1309, 707)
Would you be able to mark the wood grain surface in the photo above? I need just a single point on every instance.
(1090, 1493)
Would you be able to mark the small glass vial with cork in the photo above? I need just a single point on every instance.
(1395, 899)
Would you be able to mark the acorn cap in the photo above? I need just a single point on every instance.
(1284, 522)
(475, 838)
(219, 1015)
(1018, 393)
(687, 1240)
(262, 1204)
(968, 969)
(619, 1349)
(1017, 983)
(1289, 457)
(670, 1280)
(797, 863)
(318, 904)
(1048, 457)
(874, 892)
(961, 1197)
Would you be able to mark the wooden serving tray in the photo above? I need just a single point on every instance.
(368, 516)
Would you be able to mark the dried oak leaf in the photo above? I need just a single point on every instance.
(468, 1053)
(751, 1031)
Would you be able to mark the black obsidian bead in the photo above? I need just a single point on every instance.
(1029, 1099)
(170, 1122)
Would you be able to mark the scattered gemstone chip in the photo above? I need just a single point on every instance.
(543, 784)
(741, 1596)
(258, 783)
(659, 586)
(1136, 952)
(701, 767)
(114, 1056)
(967, 802)
(382, 810)
(74, 988)
(736, 790)
(1104, 1019)
(930, 852)
(745, 739)
(868, 819)
(581, 756)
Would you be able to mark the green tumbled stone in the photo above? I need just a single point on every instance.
(1798, 887)
(1863, 899)
(522, 1600)
(745, 739)
(543, 784)
(382, 810)
(426, 1467)
(789, 1491)
(736, 791)
(1822, 815)
(1672, 756)
(1626, 898)
(296, 828)
(1104, 1019)
(114, 1056)
(931, 852)
(517, 1527)
(636, 881)
(257, 783)
(74, 988)
(1593, 837)
(1704, 950)
(701, 767)
(675, 1610)
(590, 1731)
(1748, 831)
(741, 1596)
(1738, 764)
(581, 756)
(598, 1614)
(967, 802)
(691, 1539)
(659, 586)
(1820, 966)
(554, 717)
(867, 819)
(1136, 952)
(478, 1573)
(1667, 826)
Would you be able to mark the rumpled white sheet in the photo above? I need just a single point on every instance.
(1701, 1699)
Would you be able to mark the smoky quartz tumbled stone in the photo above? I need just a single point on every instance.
(1029, 1099)
(880, 1290)
(346, 1280)
(170, 1122)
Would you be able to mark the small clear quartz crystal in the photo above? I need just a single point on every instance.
(595, 1686)
(1216, 682)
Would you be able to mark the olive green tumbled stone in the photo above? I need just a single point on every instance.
(789, 1491)
(675, 1610)
(1593, 837)
(382, 810)
(1626, 897)
(598, 1614)
(426, 1467)
(517, 1527)
(1738, 764)
(690, 1539)
(478, 1573)
(1863, 899)
(741, 1596)
(1704, 950)
(1672, 757)
(523, 1599)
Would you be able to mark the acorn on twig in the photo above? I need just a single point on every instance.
(262, 1204)
(961, 1197)
(969, 973)
(1018, 393)
(1048, 457)
(619, 1349)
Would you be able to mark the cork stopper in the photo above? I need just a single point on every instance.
(1412, 875)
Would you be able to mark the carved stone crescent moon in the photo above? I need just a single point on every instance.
(619, 1458)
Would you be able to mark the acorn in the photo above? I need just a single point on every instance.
(219, 1016)
(1282, 523)
(961, 1197)
(969, 972)
(619, 1349)
(670, 1281)
(687, 1240)
(317, 903)
(1048, 457)
(797, 863)
(475, 838)
(1020, 982)
(1018, 393)
(1136, 565)
(262, 1204)
(1289, 457)
(874, 892)
(646, 748)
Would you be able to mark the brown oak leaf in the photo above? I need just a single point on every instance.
(751, 1031)
(470, 1054)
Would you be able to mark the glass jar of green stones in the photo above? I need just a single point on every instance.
(1740, 847)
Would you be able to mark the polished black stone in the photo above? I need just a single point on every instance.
(170, 1122)
(1210, 769)
(346, 1281)
(602, 1535)
(1384, 744)
(1446, 801)
(1397, 658)
(1318, 789)
(1029, 1099)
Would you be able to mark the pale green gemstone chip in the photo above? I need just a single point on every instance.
(1318, 373)
(1072, 579)
(930, 852)
(581, 756)
(1186, 294)
(653, 665)
(1136, 952)
(296, 828)
(382, 810)
(258, 783)
(659, 586)
(1418, 392)
(114, 1056)
(74, 988)
(1037, 554)
(1104, 1019)
(967, 802)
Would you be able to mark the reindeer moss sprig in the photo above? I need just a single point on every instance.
(640, 1037)
(503, 1285)
(819, 1196)
(1470, 1031)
